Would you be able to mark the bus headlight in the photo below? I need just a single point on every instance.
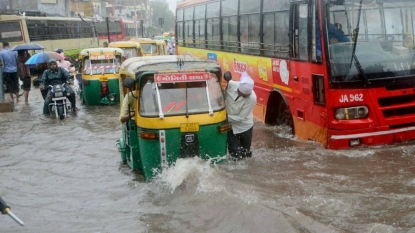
(351, 113)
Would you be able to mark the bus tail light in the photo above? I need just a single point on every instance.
(224, 127)
(351, 113)
(104, 88)
(149, 135)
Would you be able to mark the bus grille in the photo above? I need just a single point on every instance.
(398, 111)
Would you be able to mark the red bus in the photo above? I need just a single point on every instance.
(339, 72)
(119, 30)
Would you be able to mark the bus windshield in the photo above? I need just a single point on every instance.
(105, 66)
(180, 98)
(372, 40)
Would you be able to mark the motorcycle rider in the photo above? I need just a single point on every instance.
(53, 76)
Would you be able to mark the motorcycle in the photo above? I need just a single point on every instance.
(59, 103)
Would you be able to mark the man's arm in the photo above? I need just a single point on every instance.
(65, 74)
(337, 34)
(124, 116)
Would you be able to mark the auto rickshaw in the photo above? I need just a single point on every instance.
(151, 47)
(100, 77)
(179, 112)
(130, 48)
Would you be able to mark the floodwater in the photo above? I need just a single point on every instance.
(66, 176)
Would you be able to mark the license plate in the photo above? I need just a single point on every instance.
(189, 127)
(58, 94)
(59, 98)
(103, 79)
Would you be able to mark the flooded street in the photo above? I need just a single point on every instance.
(66, 176)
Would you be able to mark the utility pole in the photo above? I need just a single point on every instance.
(161, 22)
(142, 28)
(108, 28)
(135, 20)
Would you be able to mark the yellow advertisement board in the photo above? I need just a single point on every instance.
(259, 68)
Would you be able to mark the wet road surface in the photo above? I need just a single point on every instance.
(66, 176)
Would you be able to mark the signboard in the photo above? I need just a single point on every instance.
(182, 77)
(102, 57)
(12, 34)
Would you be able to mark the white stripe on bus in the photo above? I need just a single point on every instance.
(362, 135)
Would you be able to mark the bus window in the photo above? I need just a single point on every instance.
(249, 33)
(300, 29)
(10, 32)
(230, 32)
(213, 25)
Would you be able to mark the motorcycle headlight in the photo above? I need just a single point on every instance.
(359, 112)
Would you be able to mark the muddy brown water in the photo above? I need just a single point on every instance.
(66, 176)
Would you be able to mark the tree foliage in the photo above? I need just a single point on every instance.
(161, 10)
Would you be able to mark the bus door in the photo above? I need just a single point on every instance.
(306, 72)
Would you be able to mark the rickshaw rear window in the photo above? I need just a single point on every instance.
(149, 48)
(180, 98)
(105, 66)
(129, 52)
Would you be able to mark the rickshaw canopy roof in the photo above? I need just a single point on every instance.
(147, 41)
(98, 51)
(165, 63)
(124, 44)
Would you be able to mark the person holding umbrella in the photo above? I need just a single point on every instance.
(23, 71)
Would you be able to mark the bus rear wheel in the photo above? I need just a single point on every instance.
(284, 116)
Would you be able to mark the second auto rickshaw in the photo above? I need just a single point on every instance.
(151, 47)
(100, 77)
(130, 48)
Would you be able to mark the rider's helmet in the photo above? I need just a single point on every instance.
(52, 61)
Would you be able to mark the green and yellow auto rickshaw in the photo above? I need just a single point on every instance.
(100, 76)
(179, 111)
(130, 48)
(150, 47)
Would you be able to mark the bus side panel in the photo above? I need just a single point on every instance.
(310, 120)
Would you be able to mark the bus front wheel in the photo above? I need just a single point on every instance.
(284, 116)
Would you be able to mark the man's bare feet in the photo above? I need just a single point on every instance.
(26, 103)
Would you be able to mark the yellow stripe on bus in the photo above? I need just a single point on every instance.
(283, 88)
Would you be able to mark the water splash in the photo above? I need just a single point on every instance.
(204, 175)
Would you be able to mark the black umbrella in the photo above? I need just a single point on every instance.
(28, 46)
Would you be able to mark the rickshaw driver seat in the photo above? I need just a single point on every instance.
(127, 110)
